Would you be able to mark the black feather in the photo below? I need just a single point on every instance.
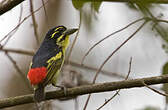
(39, 94)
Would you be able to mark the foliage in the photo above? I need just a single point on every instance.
(87, 15)
(145, 8)
(78, 4)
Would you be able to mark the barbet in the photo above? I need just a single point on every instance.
(48, 60)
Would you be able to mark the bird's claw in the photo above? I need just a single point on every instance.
(63, 88)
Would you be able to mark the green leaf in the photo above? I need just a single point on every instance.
(88, 14)
(78, 4)
(132, 6)
(150, 108)
(96, 6)
(165, 68)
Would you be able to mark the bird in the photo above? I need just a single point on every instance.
(47, 62)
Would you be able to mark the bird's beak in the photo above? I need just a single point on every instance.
(70, 31)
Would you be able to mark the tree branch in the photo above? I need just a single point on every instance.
(18, 51)
(35, 25)
(82, 90)
(8, 5)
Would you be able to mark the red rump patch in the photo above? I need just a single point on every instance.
(37, 75)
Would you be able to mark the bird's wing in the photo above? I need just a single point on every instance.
(54, 66)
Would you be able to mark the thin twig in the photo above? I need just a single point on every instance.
(91, 48)
(83, 90)
(166, 95)
(158, 28)
(117, 50)
(74, 41)
(145, 18)
(21, 23)
(110, 57)
(107, 101)
(18, 51)
(34, 22)
(104, 72)
(129, 71)
(19, 71)
(45, 12)
(16, 29)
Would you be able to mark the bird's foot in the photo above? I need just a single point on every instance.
(62, 88)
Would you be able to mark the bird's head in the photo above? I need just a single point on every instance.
(60, 35)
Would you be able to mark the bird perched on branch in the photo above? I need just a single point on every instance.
(48, 60)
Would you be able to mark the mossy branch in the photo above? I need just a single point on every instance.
(82, 90)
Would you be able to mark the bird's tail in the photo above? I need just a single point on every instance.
(39, 94)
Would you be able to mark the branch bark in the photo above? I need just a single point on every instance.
(82, 90)
(18, 51)
(8, 5)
